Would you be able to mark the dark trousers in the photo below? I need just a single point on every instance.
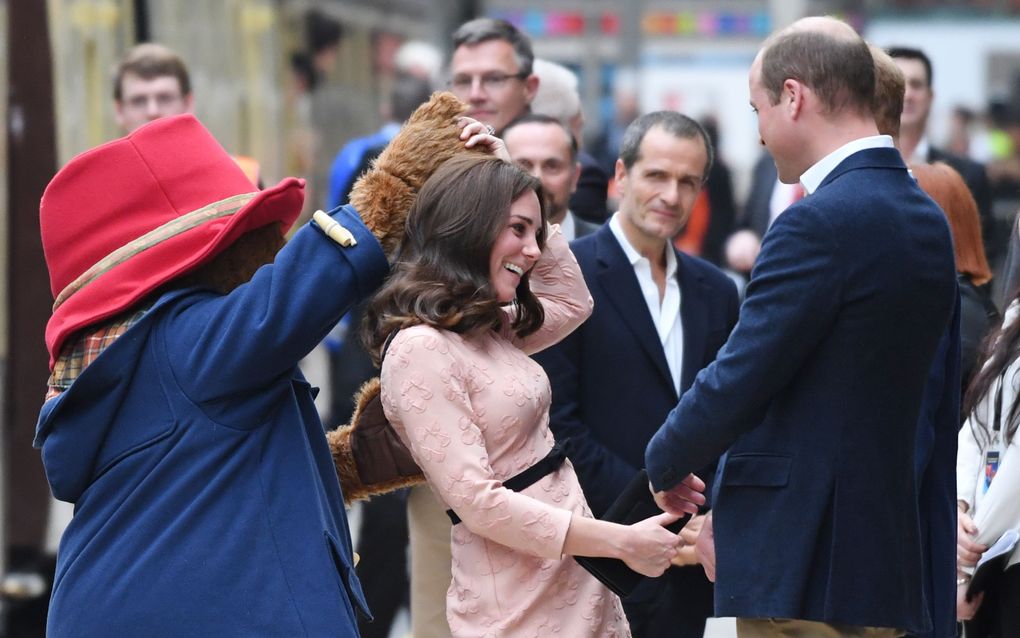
(677, 604)
(382, 546)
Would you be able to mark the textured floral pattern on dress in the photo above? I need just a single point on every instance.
(474, 410)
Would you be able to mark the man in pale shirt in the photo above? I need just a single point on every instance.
(816, 396)
(542, 146)
(660, 317)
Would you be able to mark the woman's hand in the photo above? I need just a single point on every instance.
(967, 551)
(475, 133)
(965, 609)
(649, 548)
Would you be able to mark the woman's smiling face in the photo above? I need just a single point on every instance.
(516, 250)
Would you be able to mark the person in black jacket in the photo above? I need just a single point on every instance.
(978, 315)
(917, 147)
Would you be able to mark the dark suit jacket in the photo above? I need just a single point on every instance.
(936, 480)
(756, 210)
(589, 200)
(817, 396)
(583, 228)
(610, 381)
(976, 177)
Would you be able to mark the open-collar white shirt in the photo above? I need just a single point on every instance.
(665, 314)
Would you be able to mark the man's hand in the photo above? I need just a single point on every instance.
(705, 546)
(688, 554)
(682, 498)
(742, 250)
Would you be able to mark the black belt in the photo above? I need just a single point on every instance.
(549, 464)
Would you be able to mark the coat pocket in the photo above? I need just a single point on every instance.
(757, 470)
(125, 448)
(350, 586)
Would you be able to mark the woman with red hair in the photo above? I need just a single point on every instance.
(978, 315)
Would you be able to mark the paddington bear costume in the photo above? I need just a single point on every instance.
(206, 499)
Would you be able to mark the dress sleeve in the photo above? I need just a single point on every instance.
(559, 285)
(426, 395)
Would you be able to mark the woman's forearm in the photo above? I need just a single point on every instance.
(592, 537)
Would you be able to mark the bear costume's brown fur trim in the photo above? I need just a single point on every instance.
(369, 457)
(384, 194)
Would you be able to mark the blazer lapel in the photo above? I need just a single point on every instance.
(694, 315)
(619, 283)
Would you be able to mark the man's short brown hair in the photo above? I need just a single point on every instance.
(889, 91)
(149, 61)
(839, 70)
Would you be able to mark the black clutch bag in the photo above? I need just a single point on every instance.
(634, 504)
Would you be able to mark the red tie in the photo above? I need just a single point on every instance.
(798, 193)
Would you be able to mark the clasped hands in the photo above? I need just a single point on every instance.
(698, 546)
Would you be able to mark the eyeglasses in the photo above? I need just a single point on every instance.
(491, 82)
(163, 101)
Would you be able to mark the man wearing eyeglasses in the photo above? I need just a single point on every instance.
(491, 71)
(151, 82)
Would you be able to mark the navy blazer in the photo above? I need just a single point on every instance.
(935, 464)
(816, 396)
(757, 210)
(611, 383)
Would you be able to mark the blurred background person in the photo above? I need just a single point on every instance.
(543, 147)
(492, 71)
(557, 97)
(988, 482)
(978, 315)
(714, 214)
(916, 146)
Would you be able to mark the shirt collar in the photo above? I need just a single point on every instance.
(633, 256)
(814, 176)
(921, 151)
(568, 227)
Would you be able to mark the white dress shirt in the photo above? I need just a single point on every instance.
(666, 313)
(568, 227)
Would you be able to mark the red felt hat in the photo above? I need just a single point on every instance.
(126, 217)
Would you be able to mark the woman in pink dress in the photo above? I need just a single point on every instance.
(481, 283)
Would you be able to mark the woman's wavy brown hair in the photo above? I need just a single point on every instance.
(441, 274)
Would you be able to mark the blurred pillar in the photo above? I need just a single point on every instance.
(785, 12)
(630, 34)
(32, 161)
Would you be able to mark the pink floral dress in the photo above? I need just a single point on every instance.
(474, 411)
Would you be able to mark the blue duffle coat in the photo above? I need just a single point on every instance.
(206, 500)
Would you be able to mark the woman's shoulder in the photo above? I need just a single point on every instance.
(422, 340)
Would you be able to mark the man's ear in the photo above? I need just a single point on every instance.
(577, 176)
(118, 114)
(621, 177)
(793, 96)
(530, 87)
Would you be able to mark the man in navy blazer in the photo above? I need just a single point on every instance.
(660, 317)
(816, 395)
